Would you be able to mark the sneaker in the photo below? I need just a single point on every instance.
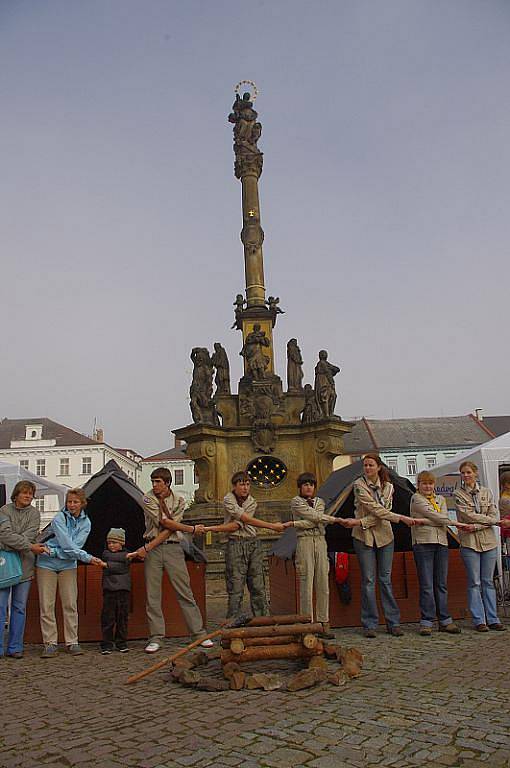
(496, 626)
(152, 647)
(50, 651)
(207, 644)
(426, 631)
(106, 651)
(123, 650)
(19, 654)
(369, 632)
(482, 628)
(74, 650)
(451, 628)
(396, 631)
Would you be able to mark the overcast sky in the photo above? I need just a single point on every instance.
(384, 200)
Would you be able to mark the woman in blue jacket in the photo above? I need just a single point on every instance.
(69, 530)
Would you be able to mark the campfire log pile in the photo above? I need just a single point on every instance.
(270, 638)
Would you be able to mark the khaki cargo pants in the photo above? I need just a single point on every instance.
(244, 565)
(312, 568)
(170, 558)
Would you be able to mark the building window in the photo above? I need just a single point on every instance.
(431, 461)
(23, 464)
(64, 467)
(86, 465)
(40, 467)
(179, 477)
(392, 463)
(411, 465)
(39, 504)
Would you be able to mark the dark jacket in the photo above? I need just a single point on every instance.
(117, 575)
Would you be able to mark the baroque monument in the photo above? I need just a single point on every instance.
(272, 432)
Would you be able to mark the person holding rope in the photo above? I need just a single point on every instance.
(162, 552)
(244, 556)
(478, 547)
(430, 549)
(373, 543)
(312, 565)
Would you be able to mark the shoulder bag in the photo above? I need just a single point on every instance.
(10, 569)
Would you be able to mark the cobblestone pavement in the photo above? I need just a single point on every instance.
(439, 701)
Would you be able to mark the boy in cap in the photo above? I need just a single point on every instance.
(116, 591)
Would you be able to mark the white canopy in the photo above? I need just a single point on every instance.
(10, 474)
(487, 457)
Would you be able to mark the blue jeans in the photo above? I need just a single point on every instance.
(19, 597)
(372, 561)
(432, 568)
(480, 567)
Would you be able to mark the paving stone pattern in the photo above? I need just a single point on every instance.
(439, 701)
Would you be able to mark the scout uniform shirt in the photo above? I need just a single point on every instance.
(436, 512)
(173, 510)
(477, 506)
(233, 512)
(309, 519)
(372, 505)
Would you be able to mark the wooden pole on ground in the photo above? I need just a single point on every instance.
(266, 653)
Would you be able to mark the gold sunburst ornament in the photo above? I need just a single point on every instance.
(247, 85)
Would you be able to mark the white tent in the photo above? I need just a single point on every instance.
(10, 474)
(489, 458)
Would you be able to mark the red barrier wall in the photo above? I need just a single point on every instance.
(90, 601)
(284, 589)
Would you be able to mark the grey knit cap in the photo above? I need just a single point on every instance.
(116, 534)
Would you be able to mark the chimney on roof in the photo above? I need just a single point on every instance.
(99, 435)
(479, 414)
(178, 442)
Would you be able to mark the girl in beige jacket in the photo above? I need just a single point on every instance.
(478, 546)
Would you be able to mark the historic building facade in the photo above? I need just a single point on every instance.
(184, 481)
(60, 454)
(410, 445)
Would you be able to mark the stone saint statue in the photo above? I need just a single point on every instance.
(325, 392)
(294, 367)
(219, 360)
(247, 132)
(310, 412)
(272, 304)
(253, 353)
(200, 391)
(239, 306)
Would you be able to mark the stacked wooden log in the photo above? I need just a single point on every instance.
(272, 637)
(268, 638)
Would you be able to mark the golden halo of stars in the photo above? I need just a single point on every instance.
(266, 471)
(241, 85)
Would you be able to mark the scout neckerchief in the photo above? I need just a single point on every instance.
(475, 495)
(163, 510)
(377, 493)
(433, 503)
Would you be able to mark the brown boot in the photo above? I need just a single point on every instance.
(451, 628)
